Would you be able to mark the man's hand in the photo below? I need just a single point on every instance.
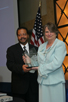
(25, 69)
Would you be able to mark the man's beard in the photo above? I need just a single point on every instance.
(23, 42)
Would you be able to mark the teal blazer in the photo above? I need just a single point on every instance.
(50, 60)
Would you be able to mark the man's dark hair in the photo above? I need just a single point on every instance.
(21, 28)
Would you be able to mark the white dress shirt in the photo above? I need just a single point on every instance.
(26, 47)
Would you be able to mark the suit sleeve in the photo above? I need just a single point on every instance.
(59, 55)
(12, 65)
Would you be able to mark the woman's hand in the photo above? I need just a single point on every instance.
(35, 68)
(26, 59)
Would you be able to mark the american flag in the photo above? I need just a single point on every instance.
(37, 34)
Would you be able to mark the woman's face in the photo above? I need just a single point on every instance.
(50, 36)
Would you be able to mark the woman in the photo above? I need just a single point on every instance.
(50, 73)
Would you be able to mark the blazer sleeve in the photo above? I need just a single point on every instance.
(11, 64)
(59, 55)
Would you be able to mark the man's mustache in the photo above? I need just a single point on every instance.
(22, 38)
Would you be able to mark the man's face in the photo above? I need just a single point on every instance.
(22, 36)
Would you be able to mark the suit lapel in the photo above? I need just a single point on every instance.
(30, 46)
(19, 48)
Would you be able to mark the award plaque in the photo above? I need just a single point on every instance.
(31, 58)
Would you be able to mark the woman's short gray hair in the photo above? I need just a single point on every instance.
(51, 27)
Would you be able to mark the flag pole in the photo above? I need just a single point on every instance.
(40, 3)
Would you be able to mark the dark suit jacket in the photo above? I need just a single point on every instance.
(20, 79)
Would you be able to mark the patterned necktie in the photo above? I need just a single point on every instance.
(25, 51)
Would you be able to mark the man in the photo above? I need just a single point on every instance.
(24, 82)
